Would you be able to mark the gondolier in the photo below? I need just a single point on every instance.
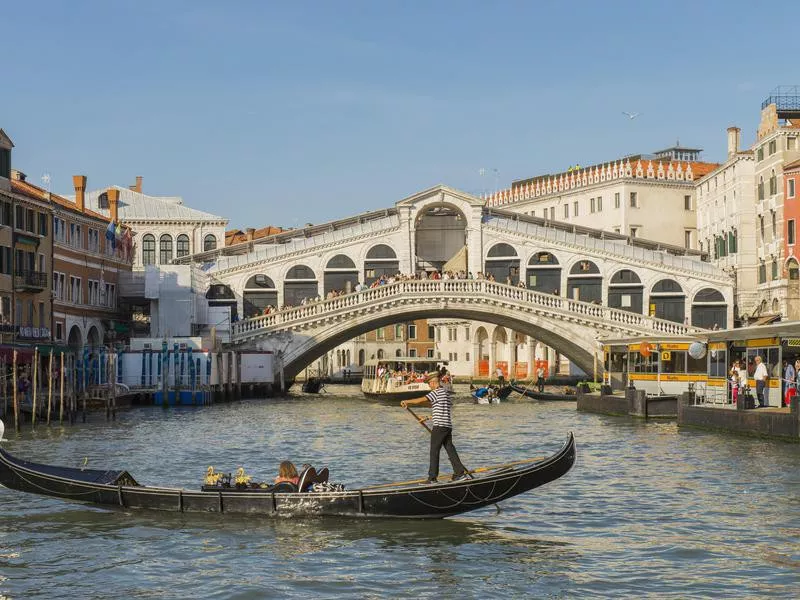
(442, 432)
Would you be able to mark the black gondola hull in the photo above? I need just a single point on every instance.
(444, 499)
(536, 395)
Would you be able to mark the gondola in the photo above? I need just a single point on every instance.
(407, 499)
(537, 395)
(501, 394)
(313, 385)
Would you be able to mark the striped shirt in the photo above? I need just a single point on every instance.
(442, 407)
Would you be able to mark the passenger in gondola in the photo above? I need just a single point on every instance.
(287, 472)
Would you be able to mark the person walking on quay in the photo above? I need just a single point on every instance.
(442, 432)
(761, 376)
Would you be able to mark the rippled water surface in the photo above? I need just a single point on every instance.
(647, 510)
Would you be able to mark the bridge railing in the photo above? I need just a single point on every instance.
(456, 288)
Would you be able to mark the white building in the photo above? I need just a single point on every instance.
(726, 222)
(647, 196)
(165, 228)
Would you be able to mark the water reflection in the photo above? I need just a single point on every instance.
(647, 510)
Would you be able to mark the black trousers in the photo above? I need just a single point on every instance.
(443, 436)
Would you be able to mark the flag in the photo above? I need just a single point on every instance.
(110, 231)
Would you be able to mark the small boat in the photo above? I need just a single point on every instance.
(313, 385)
(498, 395)
(405, 499)
(531, 392)
(396, 379)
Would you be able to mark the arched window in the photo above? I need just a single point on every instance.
(149, 249)
(183, 245)
(209, 243)
(165, 250)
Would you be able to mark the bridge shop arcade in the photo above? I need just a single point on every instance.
(668, 366)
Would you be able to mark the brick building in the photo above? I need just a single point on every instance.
(87, 256)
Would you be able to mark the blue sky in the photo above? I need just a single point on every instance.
(294, 112)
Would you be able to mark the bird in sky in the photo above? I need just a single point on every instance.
(631, 116)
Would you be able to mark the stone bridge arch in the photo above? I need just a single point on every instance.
(302, 347)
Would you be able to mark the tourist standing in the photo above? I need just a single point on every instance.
(761, 376)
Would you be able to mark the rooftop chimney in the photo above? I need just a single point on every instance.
(138, 187)
(79, 181)
(17, 175)
(251, 231)
(113, 203)
(734, 139)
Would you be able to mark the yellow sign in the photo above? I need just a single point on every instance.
(666, 356)
(762, 342)
(675, 346)
(652, 310)
(717, 346)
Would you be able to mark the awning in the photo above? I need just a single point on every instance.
(767, 319)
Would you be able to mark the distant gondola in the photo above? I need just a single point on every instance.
(500, 394)
(408, 499)
(313, 385)
(537, 395)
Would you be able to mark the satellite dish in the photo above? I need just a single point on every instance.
(697, 350)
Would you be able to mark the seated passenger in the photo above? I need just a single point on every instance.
(481, 392)
(288, 473)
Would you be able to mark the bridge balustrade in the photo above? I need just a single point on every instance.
(456, 289)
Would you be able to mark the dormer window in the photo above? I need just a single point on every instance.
(5, 163)
(102, 201)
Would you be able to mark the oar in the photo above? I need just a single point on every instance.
(420, 420)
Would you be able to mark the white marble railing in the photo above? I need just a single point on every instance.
(455, 289)
(619, 248)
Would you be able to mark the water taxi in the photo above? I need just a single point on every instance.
(398, 378)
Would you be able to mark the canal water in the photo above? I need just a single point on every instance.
(647, 511)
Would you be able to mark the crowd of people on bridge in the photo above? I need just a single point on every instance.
(384, 279)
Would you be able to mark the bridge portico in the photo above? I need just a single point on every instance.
(575, 284)
(549, 257)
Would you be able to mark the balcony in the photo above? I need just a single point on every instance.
(31, 281)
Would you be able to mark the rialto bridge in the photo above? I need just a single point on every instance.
(580, 283)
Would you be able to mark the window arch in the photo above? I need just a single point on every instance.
(501, 250)
(380, 260)
(502, 263)
(149, 249)
(165, 249)
(381, 251)
(209, 242)
(182, 248)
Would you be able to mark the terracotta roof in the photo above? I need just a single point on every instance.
(237, 236)
(792, 165)
(34, 191)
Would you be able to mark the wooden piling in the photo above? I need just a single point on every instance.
(113, 379)
(5, 388)
(35, 374)
(50, 388)
(61, 404)
(16, 401)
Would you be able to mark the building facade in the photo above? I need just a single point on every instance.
(726, 220)
(777, 144)
(646, 196)
(86, 263)
(30, 260)
(791, 213)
